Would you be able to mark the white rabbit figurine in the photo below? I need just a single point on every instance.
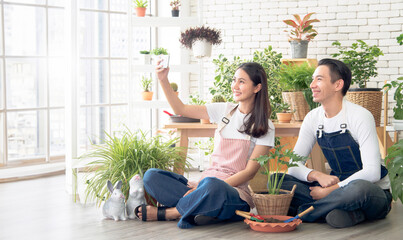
(114, 207)
(136, 196)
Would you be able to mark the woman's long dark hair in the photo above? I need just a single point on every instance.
(257, 125)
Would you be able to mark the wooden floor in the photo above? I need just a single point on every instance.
(41, 209)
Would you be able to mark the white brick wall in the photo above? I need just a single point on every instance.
(252, 25)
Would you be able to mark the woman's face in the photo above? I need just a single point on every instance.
(243, 88)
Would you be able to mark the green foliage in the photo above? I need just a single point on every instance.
(190, 35)
(146, 84)
(361, 58)
(282, 107)
(141, 3)
(120, 158)
(218, 98)
(225, 70)
(144, 52)
(398, 97)
(303, 30)
(174, 86)
(195, 99)
(206, 145)
(159, 51)
(274, 180)
(394, 164)
(400, 39)
(295, 77)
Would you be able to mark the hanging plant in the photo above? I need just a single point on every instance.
(189, 36)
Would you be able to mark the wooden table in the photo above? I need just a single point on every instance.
(187, 130)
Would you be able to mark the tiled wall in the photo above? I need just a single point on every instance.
(252, 25)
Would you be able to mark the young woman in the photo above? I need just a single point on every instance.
(244, 132)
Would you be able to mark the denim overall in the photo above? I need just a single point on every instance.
(343, 155)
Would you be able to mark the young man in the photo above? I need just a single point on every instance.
(358, 186)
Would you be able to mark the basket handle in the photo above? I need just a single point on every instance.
(293, 189)
(250, 189)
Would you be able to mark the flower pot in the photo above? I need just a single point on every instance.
(145, 58)
(284, 117)
(299, 48)
(205, 121)
(147, 96)
(397, 124)
(369, 98)
(201, 48)
(140, 12)
(175, 13)
(273, 204)
(297, 103)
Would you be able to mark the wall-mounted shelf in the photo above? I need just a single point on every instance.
(193, 68)
(154, 104)
(165, 21)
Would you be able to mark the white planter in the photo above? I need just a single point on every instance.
(398, 124)
(145, 59)
(201, 48)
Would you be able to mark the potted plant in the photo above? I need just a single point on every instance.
(362, 59)
(160, 53)
(294, 80)
(301, 34)
(175, 4)
(120, 158)
(146, 84)
(200, 40)
(274, 200)
(174, 87)
(394, 163)
(283, 112)
(398, 97)
(218, 98)
(145, 57)
(141, 7)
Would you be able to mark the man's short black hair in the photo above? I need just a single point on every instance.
(338, 70)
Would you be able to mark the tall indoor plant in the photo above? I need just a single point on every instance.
(301, 34)
(362, 59)
(200, 40)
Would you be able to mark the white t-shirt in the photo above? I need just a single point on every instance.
(216, 112)
(361, 125)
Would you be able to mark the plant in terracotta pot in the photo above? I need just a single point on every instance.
(146, 84)
(273, 163)
(175, 4)
(141, 7)
(362, 59)
(394, 163)
(283, 112)
(174, 87)
(301, 34)
(200, 40)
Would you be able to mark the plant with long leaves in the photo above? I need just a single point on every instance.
(274, 162)
(120, 158)
(394, 164)
(303, 29)
(141, 3)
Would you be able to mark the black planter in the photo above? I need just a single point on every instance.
(175, 13)
(363, 89)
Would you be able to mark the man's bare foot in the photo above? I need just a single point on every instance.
(170, 213)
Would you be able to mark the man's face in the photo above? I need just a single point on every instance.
(322, 88)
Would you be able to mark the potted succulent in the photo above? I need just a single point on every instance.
(146, 84)
(145, 56)
(362, 59)
(394, 163)
(141, 7)
(301, 34)
(200, 40)
(174, 87)
(283, 112)
(120, 158)
(274, 200)
(294, 80)
(175, 4)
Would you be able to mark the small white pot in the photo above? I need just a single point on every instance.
(398, 124)
(145, 58)
(201, 48)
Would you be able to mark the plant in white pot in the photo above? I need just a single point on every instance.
(301, 34)
(200, 40)
(160, 54)
(145, 57)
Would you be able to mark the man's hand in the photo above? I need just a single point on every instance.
(320, 192)
(323, 179)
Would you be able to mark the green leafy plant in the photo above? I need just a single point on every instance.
(282, 107)
(195, 99)
(174, 86)
(159, 51)
(144, 52)
(141, 3)
(175, 4)
(146, 84)
(398, 97)
(218, 98)
(274, 162)
(208, 146)
(361, 58)
(394, 164)
(225, 70)
(302, 29)
(189, 36)
(120, 158)
(294, 77)
(400, 39)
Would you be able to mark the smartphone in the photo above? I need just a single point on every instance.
(164, 61)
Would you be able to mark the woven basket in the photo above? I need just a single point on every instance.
(298, 104)
(371, 100)
(270, 204)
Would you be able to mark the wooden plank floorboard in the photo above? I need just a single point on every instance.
(41, 209)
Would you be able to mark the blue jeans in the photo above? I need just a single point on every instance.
(213, 197)
(362, 195)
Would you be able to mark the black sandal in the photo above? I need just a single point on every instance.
(160, 212)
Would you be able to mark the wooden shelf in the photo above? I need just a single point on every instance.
(298, 61)
(194, 68)
(165, 21)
